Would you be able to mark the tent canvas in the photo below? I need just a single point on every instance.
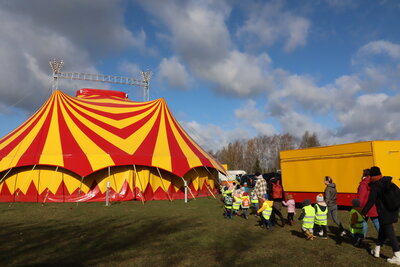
(72, 146)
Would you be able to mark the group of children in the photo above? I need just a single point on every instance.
(314, 217)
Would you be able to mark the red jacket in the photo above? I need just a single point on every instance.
(363, 194)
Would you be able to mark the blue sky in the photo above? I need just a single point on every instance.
(227, 69)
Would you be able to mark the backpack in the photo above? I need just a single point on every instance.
(276, 190)
(391, 197)
(228, 200)
(246, 202)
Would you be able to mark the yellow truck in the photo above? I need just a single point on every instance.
(303, 170)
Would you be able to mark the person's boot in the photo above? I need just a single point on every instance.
(395, 259)
(376, 251)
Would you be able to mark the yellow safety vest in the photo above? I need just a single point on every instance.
(321, 217)
(308, 220)
(267, 212)
(359, 225)
(236, 204)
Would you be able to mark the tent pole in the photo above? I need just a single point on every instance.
(48, 189)
(162, 182)
(5, 175)
(209, 190)
(137, 176)
(190, 190)
(80, 189)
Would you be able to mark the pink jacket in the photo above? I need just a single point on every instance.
(363, 194)
(291, 208)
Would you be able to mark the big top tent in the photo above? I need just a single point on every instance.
(72, 147)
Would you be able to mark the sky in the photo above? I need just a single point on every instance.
(228, 70)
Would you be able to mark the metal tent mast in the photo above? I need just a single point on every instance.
(56, 65)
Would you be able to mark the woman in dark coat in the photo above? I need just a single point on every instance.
(386, 217)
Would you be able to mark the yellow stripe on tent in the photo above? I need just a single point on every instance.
(191, 157)
(13, 157)
(52, 153)
(97, 157)
(161, 155)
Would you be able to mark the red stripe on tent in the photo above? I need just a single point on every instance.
(39, 114)
(74, 158)
(144, 154)
(205, 161)
(119, 156)
(32, 154)
(115, 116)
(7, 149)
(122, 133)
(5, 194)
(30, 196)
(179, 163)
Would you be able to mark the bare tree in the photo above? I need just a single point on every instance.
(309, 140)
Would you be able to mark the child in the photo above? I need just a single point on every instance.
(245, 204)
(321, 217)
(228, 200)
(236, 204)
(254, 202)
(266, 211)
(356, 222)
(308, 216)
(291, 208)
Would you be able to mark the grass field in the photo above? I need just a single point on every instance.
(163, 233)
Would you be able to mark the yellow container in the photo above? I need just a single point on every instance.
(303, 170)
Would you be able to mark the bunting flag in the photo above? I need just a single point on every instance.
(97, 130)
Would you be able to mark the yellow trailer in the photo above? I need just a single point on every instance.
(303, 170)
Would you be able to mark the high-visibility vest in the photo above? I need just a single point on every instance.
(236, 204)
(267, 212)
(321, 217)
(358, 227)
(254, 200)
(308, 220)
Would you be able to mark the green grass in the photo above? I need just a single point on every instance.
(163, 233)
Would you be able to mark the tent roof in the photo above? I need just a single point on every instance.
(91, 132)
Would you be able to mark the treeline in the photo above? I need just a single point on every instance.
(261, 153)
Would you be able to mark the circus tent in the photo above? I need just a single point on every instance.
(73, 147)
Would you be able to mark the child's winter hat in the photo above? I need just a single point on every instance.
(245, 194)
(320, 198)
(306, 202)
(356, 203)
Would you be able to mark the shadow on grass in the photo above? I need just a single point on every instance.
(93, 243)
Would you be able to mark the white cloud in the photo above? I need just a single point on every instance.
(200, 38)
(212, 137)
(173, 73)
(34, 33)
(250, 116)
(380, 47)
(268, 24)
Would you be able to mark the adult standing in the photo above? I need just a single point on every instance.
(277, 196)
(330, 200)
(363, 194)
(260, 189)
(386, 217)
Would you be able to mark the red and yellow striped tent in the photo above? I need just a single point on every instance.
(72, 147)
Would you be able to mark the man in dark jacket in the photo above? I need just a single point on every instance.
(386, 217)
